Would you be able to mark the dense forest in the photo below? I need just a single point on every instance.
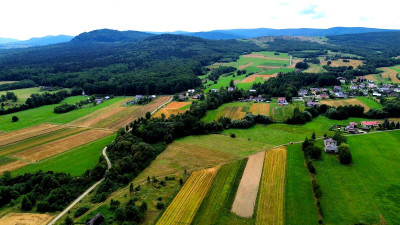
(162, 64)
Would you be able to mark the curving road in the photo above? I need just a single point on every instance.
(84, 194)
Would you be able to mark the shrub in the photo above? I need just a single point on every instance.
(120, 214)
(233, 135)
(14, 118)
(81, 210)
(68, 221)
(114, 204)
(310, 166)
(344, 154)
(160, 205)
(26, 204)
(316, 189)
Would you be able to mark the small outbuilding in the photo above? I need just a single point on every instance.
(331, 146)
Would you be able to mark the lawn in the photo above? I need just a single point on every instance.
(367, 190)
(75, 161)
(45, 114)
(299, 201)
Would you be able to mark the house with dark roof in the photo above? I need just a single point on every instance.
(337, 88)
(303, 92)
(331, 146)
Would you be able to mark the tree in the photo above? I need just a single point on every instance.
(302, 65)
(231, 83)
(344, 154)
(339, 138)
(68, 221)
(26, 204)
(131, 188)
(14, 118)
(120, 214)
(148, 115)
(313, 135)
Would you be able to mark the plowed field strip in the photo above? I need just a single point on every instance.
(12, 166)
(19, 135)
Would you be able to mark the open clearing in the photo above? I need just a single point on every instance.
(390, 73)
(337, 63)
(12, 166)
(55, 147)
(344, 102)
(185, 205)
(242, 67)
(25, 219)
(251, 78)
(19, 135)
(7, 82)
(173, 108)
(270, 209)
(260, 108)
(233, 112)
(315, 69)
(262, 56)
(246, 194)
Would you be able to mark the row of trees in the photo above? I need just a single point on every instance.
(8, 96)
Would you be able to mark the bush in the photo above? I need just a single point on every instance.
(114, 204)
(81, 210)
(160, 205)
(120, 214)
(344, 154)
(310, 166)
(233, 135)
(14, 119)
(26, 204)
(68, 221)
(316, 189)
(64, 108)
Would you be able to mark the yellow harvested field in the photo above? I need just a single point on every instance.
(344, 102)
(25, 219)
(246, 194)
(186, 203)
(261, 56)
(233, 112)
(271, 200)
(93, 118)
(242, 67)
(251, 78)
(110, 121)
(389, 73)
(61, 145)
(260, 108)
(19, 135)
(140, 112)
(12, 166)
(370, 77)
(337, 63)
(15, 147)
(172, 108)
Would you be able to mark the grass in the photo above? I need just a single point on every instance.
(185, 205)
(370, 102)
(45, 114)
(211, 209)
(270, 209)
(314, 68)
(367, 189)
(282, 113)
(299, 201)
(75, 161)
(213, 114)
(24, 93)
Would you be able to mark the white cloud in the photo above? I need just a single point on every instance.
(26, 18)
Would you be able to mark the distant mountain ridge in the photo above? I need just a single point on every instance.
(36, 41)
(259, 32)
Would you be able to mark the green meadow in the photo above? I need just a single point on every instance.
(370, 102)
(45, 114)
(75, 161)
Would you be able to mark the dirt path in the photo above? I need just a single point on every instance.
(246, 194)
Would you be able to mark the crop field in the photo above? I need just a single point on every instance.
(25, 219)
(337, 63)
(55, 147)
(246, 194)
(19, 135)
(112, 121)
(173, 108)
(300, 207)
(390, 74)
(216, 113)
(74, 161)
(315, 69)
(185, 205)
(233, 112)
(216, 200)
(252, 78)
(260, 108)
(39, 140)
(344, 102)
(270, 209)
(12, 166)
(45, 114)
(366, 190)
(266, 60)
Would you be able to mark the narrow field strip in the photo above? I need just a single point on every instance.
(344, 102)
(261, 56)
(19, 135)
(246, 194)
(35, 141)
(185, 205)
(260, 108)
(172, 108)
(55, 147)
(389, 73)
(25, 219)
(252, 78)
(12, 166)
(233, 112)
(242, 67)
(270, 209)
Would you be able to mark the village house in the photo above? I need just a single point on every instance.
(361, 86)
(191, 91)
(312, 104)
(340, 95)
(282, 101)
(337, 88)
(214, 90)
(331, 146)
(352, 128)
(353, 87)
(252, 90)
(107, 98)
(324, 90)
(181, 97)
(303, 92)
(371, 86)
(315, 90)
(376, 94)
(231, 89)
(366, 125)
(196, 96)
(259, 99)
(138, 97)
(98, 101)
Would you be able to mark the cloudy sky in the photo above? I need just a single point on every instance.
(23, 19)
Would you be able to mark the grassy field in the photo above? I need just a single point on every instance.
(23, 94)
(211, 209)
(370, 102)
(367, 190)
(74, 161)
(213, 114)
(45, 114)
(185, 205)
(346, 102)
(314, 68)
(299, 202)
(282, 113)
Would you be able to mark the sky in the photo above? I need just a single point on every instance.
(23, 19)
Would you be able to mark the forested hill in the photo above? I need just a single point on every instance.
(107, 35)
(162, 64)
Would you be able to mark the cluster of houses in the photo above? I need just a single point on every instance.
(101, 100)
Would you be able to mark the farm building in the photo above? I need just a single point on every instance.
(331, 146)
(107, 97)
(98, 101)
(252, 90)
(337, 88)
(214, 90)
(230, 89)
(191, 91)
(138, 97)
(376, 94)
(96, 220)
(282, 101)
(369, 124)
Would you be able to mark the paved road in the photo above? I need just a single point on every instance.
(84, 194)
